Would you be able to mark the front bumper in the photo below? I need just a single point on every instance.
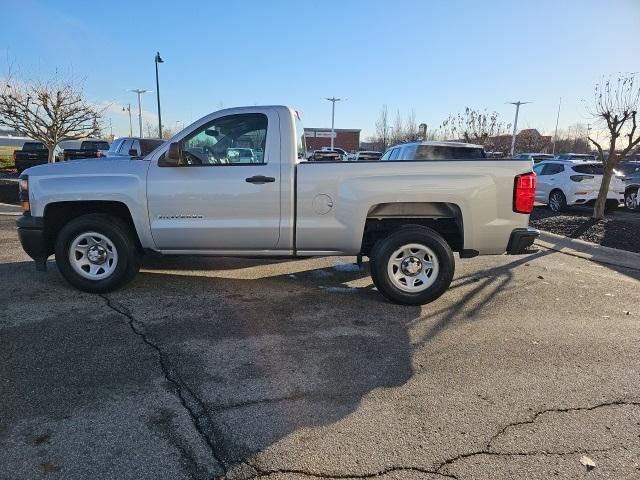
(33, 239)
(521, 239)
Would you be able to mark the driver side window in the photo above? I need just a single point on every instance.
(231, 140)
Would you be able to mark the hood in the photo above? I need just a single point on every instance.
(89, 166)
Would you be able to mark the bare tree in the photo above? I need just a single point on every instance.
(410, 133)
(615, 105)
(382, 128)
(151, 131)
(49, 111)
(397, 131)
(474, 126)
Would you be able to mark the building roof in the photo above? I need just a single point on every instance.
(350, 130)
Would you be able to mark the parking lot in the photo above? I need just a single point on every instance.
(299, 368)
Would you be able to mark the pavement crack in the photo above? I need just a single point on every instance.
(194, 406)
(488, 450)
(261, 473)
(557, 410)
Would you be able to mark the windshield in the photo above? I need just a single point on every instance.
(33, 146)
(88, 145)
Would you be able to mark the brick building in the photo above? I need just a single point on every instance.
(346, 138)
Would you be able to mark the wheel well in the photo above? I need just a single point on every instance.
(57, 215)
(444, 218)
(632, 188)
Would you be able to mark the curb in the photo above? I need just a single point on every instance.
(588, 250)
(10, 210)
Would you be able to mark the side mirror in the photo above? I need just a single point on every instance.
(173, 156)
(133, 152)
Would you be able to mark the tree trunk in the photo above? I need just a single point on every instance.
(601, 201)
(52, 153)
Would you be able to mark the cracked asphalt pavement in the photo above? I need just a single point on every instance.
(292, 369)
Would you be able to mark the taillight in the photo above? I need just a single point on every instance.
(14, 156)
(524, 192)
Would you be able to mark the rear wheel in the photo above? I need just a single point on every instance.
(557, 201)
(631, 199)
(412, 266)
(97, 253)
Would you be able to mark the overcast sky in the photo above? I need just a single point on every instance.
(435, 57)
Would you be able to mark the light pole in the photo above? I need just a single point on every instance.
(139, 92)
(158, 60)
(128, 109)
(515, 124)
(333, 101)
(555, 135)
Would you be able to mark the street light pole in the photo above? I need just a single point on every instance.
(515, 125)
(333, 101)
(158, 60)
(555, 135)
(128, 109)
(139, 92)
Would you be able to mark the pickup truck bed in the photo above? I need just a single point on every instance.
(407, 217)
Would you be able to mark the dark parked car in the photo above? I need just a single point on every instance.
(631, 172)
(33, 153)
(88, 149)
(133, 147)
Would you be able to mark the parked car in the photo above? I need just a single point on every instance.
(564, 183)
(534, 157)
(434, 151)
(326, 156)
(241, 155)
(88, 149)
(98, 217)
(577, 157)
(366, 156)
(344, 156)
(32, 154)
(133, 147)
(631, 172)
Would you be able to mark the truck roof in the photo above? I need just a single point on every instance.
(440, 144)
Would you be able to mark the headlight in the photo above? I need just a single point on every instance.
(24, 193)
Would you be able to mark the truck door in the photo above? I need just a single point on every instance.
(217, 199)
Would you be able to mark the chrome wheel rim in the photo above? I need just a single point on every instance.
(555, 201)
(93, 256)
(631, 201)
(413, 268)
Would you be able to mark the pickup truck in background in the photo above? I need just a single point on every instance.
(88, 149)
(132, 147)
(188, 198)
(32, 154)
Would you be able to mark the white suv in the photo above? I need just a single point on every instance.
(563, 183)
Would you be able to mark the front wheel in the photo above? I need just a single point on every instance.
(412, 266)
(97, 253)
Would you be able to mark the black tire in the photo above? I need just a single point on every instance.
(610, 206)
(119, 234)
(385, 248)
(631, 201)
(557, 201)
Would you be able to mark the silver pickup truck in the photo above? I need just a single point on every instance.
(195, 196)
